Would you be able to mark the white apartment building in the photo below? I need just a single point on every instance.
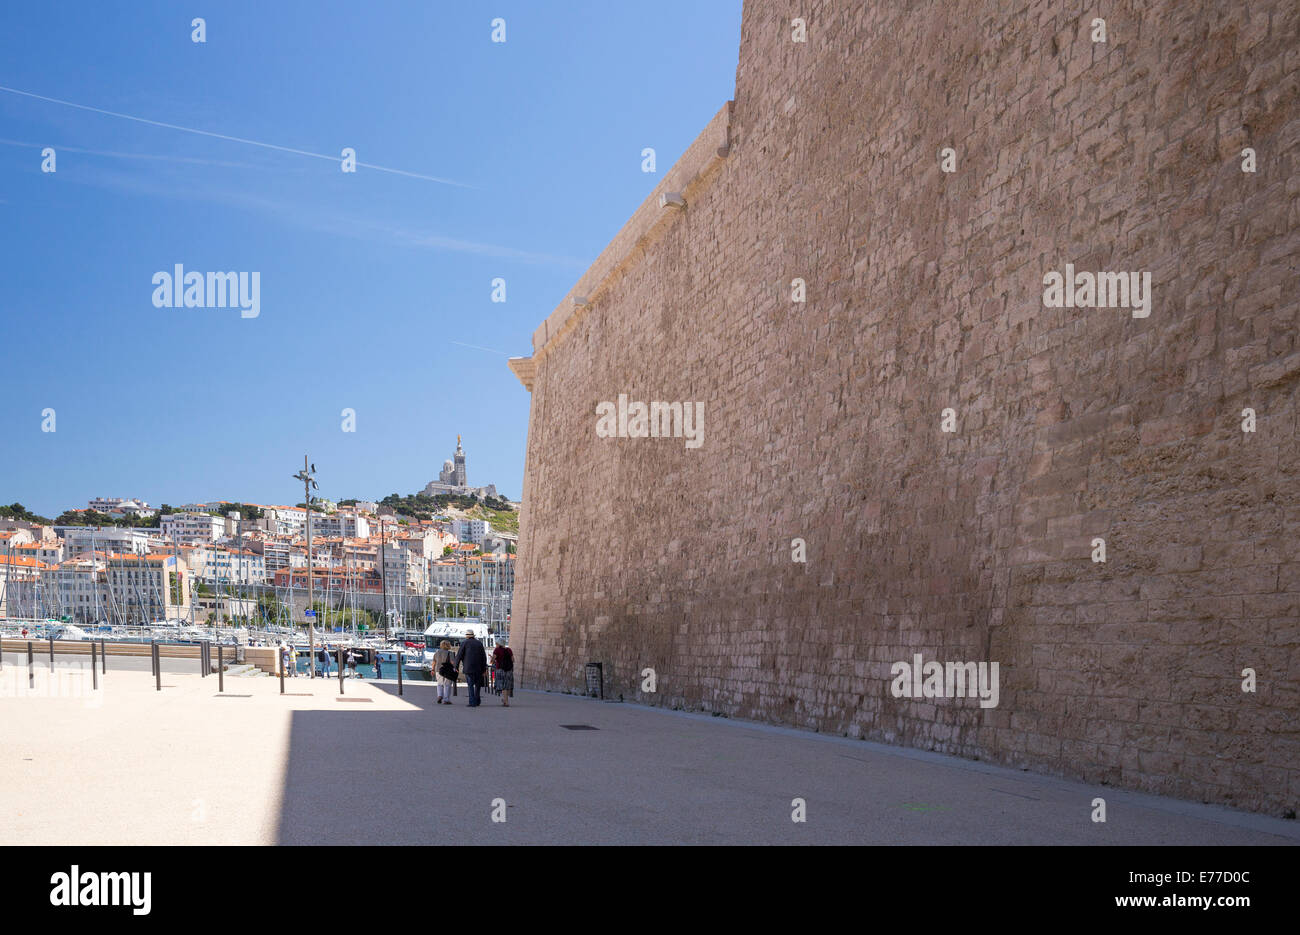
(275, 555)
(283, 553)
(192, 527)
(219, 566)
(405, 570)
(125, 504)
(77, 588)
(78, 540)
(340, 525)
(145, 588)
(447, 574)
(470, 530)
(287, 520)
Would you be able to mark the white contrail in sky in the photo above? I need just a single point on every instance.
(477, 348)
(233, 139)
(64, 148)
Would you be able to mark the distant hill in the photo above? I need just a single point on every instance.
(497, 512)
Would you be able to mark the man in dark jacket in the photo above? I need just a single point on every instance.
(472, 659)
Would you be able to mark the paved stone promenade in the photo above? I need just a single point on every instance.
(131, 765)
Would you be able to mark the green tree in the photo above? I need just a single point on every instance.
(20, 512)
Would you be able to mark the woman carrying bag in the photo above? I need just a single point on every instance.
(446, 671)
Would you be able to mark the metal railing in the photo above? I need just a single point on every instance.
(201, 652)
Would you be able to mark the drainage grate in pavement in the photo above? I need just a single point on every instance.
(579, 727)
(232, 696)
(299, 695)
(366, 700)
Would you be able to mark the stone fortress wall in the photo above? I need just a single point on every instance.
(823, 420)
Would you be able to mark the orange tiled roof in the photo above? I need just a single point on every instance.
(23, 560)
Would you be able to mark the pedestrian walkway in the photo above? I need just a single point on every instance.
(184, 766)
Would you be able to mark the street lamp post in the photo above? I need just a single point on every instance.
(383, 576)
(308, 484)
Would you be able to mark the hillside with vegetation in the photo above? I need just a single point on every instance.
(496, 511)
(500, 520)
(19, 512)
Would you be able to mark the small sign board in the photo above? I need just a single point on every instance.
(310, 613)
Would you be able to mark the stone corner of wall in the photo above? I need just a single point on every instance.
(525, 368)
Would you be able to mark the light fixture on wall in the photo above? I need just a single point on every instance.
(672, 199)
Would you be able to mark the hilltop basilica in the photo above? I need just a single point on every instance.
(452, 479)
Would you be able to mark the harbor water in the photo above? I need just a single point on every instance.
(367, 671)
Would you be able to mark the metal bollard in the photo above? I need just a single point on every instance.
(221, 668)
(103, 656)
(157, 667)
(51, 654)
(399, 673)
(94, 666)
(153, 657)
(280, 658)
(31, 667)
(340, 670)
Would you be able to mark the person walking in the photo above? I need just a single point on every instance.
(445, 670)
(352, 664)
(379, 665)
(503, 661)
(472, 657)
(324, 657)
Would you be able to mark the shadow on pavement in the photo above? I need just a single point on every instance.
(358, 776)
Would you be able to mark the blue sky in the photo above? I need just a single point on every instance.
(367, 279)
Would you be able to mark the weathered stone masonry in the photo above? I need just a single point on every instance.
(925, 291)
